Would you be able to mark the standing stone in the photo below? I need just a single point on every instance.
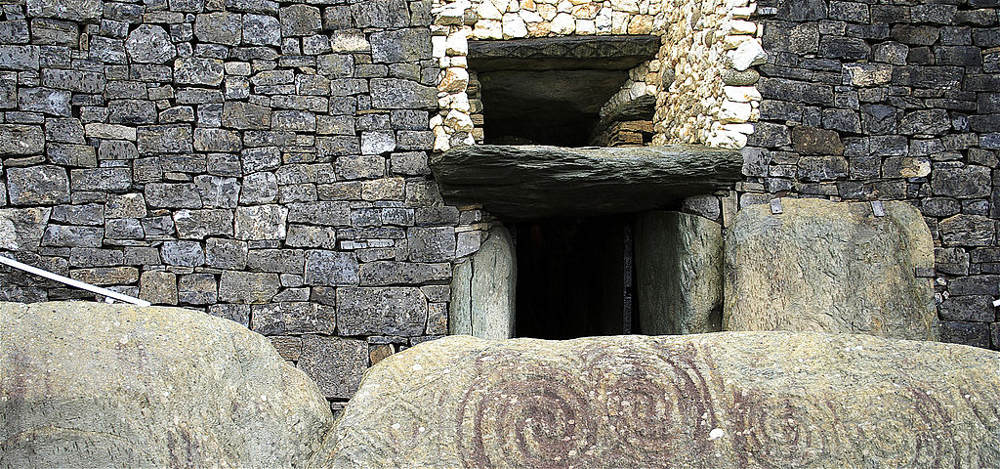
(381, 310)
(336, 364)
(679, 273)
(38, 185)
(93, 385)
(831, 267)
(483, 289)
(150, 44)
(726, 401)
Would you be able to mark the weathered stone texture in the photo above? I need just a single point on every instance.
(483, 302)
(729, 400)
(679, 266)
(830, 267)
(909, 89)
(117, 382)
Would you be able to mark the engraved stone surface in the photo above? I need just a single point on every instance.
(830, 267)
(726, 400)
(148, 387)
(678, 262)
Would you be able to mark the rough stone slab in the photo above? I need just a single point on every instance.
(567, 53)
(381, 310)
(483, 288)
(725, 400)
(521, 182)
(830, 267)
(116, 379)
(678, 263)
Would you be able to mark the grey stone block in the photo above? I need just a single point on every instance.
(247, 287)
(293, 318)
(38, 185)
(226, 253)
(381, 310)
(335, 364)
(183, 253)
(331, 268)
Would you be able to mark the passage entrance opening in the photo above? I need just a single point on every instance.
(575, 277)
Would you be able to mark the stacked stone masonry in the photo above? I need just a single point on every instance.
(702, 77)
(267, 162)
(891, 101)
(263, 162)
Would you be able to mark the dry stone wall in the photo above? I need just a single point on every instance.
(891, 101)
(263, 161)
(701, 78)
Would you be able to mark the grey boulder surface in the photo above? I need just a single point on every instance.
(830, 267)
(96, 385)
(720, 400)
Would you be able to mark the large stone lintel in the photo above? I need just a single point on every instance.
(563, 53)
(526, 182)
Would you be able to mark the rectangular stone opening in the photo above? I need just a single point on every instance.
(574, 277)
(558, 91)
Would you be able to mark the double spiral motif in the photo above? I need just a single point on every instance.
(524, 414)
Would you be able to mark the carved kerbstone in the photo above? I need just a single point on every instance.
(724, 400)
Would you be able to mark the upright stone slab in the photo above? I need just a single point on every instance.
(831, 267)
(96, 385)
(482, 290)
(724, 400)
(678, 262)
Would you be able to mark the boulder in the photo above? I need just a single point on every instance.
(95, 385)
(678, 263)
(724, 400)
(830, 267)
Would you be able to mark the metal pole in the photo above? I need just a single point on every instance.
(73, 283)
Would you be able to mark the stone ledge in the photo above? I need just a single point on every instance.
(555, 53)
(525, 182)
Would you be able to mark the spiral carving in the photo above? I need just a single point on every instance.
(524, 414)
(658, 404)
(910, 428)
(786, 432)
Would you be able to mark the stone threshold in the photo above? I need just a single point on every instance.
(518, 182)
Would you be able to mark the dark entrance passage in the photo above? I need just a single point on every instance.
(574, 277)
